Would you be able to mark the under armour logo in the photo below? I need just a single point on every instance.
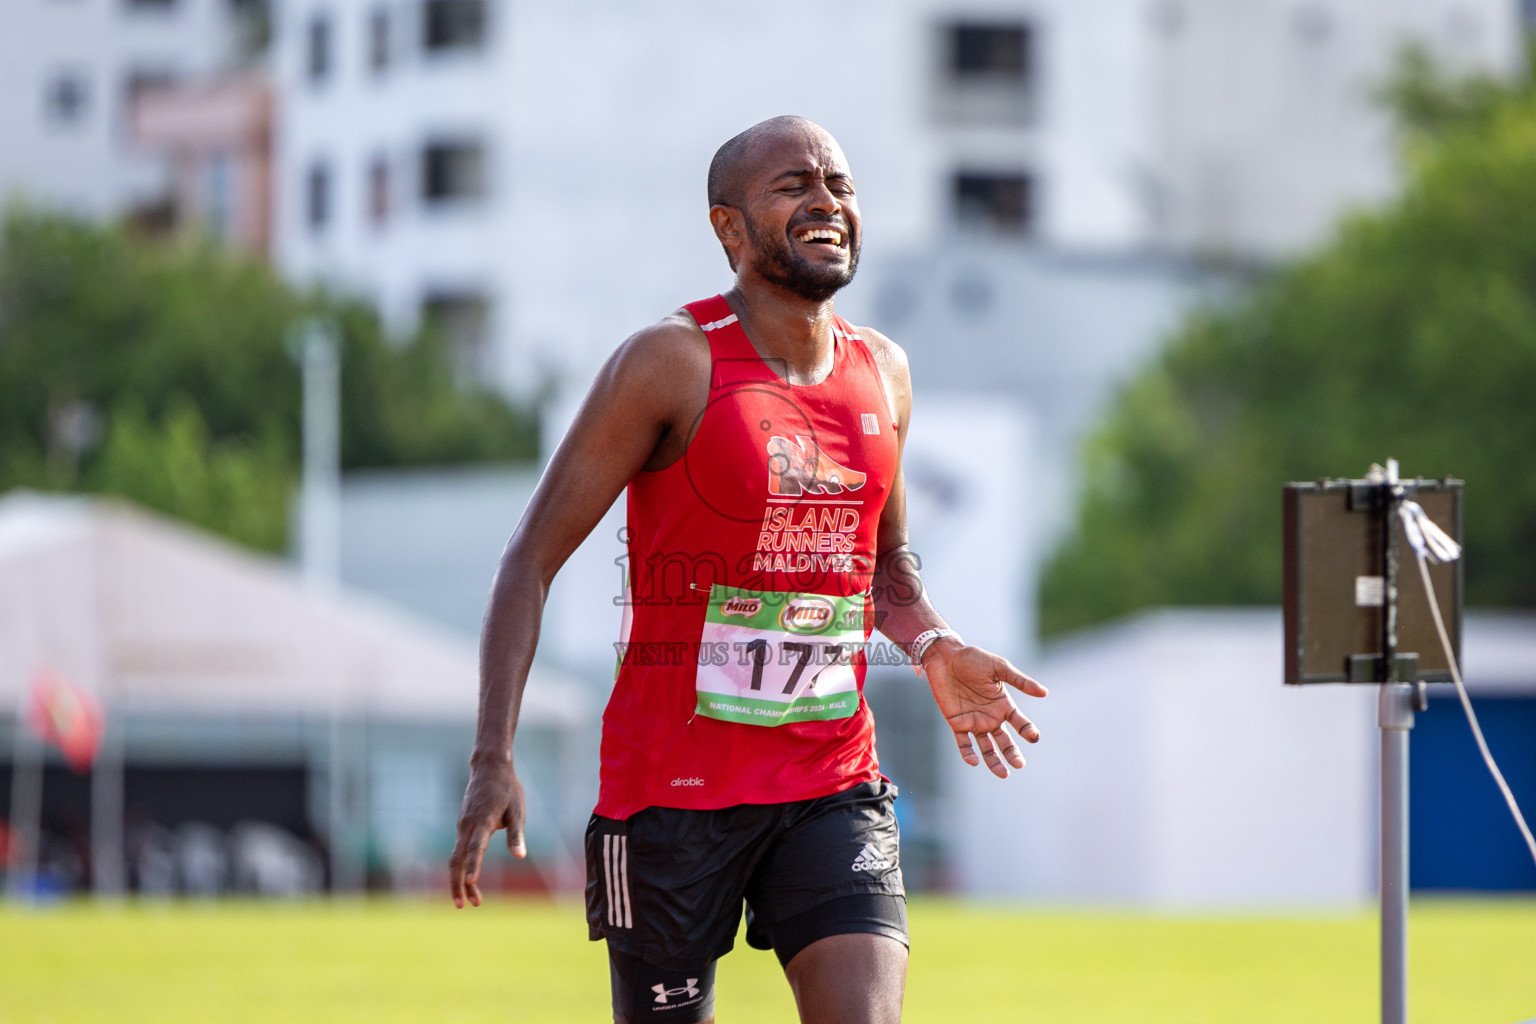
(689, 989)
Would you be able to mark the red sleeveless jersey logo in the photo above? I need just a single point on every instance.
(801, 467)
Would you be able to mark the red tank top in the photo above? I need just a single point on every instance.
(741, 672)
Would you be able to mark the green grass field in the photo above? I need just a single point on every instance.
(528, 961)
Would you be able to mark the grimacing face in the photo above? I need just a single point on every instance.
(802, 217)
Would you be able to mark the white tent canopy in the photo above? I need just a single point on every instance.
(156, 617)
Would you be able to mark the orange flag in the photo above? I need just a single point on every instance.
(66, 716)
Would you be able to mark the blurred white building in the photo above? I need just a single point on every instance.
(533, 173)
(71, 72)
(1048, 186)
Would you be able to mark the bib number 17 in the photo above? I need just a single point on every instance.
(760, 651)
(790, 657)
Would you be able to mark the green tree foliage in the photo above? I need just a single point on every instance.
(1411, 335)
(162, 372)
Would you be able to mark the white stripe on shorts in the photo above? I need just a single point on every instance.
(629, 921)
(616, 881)
(608, 874)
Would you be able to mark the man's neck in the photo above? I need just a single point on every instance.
(792, 334)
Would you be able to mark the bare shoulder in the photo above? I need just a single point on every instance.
(889, 356)
(663, 366)
(657, 379)
(673, 345)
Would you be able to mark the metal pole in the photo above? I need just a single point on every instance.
(107, 809)
(1395, 716)
(321, 498)
(320, 553)
(347, 874)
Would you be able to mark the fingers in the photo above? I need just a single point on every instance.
(997, 763)
(464, 865)
(456, 877)
(989, 754)
(1008, 673)
(998, 749)
(1024, 726)
(472, 889)
(516, 845)
(1010, 750)
(967, 752)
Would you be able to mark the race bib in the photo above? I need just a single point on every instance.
(769, 658)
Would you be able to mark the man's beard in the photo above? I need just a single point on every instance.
(778, 262)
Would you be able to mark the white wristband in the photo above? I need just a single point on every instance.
(924, 641)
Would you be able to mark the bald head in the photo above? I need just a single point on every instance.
(734, 162)
(771, 189)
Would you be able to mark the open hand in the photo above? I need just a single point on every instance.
(493, 800)
(971, 687)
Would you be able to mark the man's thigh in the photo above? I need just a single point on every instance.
(856, 978)
(828, 899)
(665, 885)
(644, 993)
(833, 868)
(664, 888)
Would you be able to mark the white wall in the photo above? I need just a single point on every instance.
(428, 540)
(1176, 771)
(969, 515)
(1265, 124)
(603, 119)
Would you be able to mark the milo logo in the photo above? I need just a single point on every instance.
(807, 615)
(746, 607)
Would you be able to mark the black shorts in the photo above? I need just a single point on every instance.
(666, 886)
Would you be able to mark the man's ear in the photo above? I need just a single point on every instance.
(730, 229)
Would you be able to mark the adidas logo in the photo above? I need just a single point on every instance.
(870, 859)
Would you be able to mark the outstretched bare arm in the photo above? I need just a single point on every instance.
(636, 417)
(969, 684)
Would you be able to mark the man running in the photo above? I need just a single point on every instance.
(760, 438)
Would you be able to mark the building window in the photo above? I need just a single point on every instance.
(452, 24)
(317, 196)
(452, 171)
(987, 73)
(317, 50)
(994, 203)
(990, 52)
(66, 98)
(378, 190)
(378, 41)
